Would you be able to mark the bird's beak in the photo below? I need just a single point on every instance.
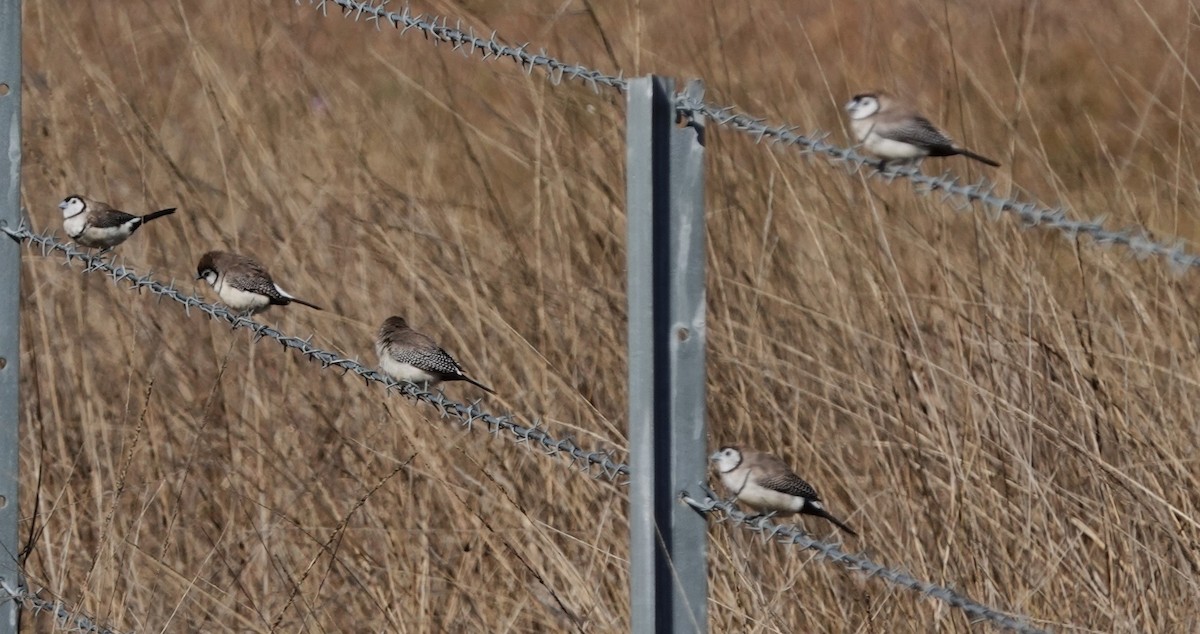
(849, 104)
(199, 276)
(713, 457)
(62, 205)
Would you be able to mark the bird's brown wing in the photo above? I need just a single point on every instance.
(245, 273)
(256, 284)
(916, 131)
(104, 217)
(429, 358)
(776, 475)
(408, 338)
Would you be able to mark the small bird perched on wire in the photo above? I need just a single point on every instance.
(768, 485)
(242, 283)
(407, 355)
(94, 224)
(895, 131)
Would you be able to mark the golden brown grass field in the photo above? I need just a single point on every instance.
(1000, 410)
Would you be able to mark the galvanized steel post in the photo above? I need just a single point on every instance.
(10, 302)
(667, 433)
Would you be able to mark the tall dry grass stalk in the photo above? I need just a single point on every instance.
(996, 409)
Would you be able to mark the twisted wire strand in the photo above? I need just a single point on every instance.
(438, 29)
(598, 464)
(68, 620)
(795, 536)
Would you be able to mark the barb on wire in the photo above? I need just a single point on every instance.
(68, 620)
(597, 463)
(437, 29)
(792, 535)
(1031, 214)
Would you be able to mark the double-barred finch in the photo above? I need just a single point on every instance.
(893, 130)
(407, 355)
(768, 484)
(242, 283)
(97, 225)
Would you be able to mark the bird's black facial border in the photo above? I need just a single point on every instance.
(71, 200)
(740, 456)
(861, 102)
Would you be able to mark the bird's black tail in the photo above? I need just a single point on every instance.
(978, 157)
(300, 301)
(820, 512)
(158, 214)
(477, 384)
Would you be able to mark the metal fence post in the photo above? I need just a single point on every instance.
(667, 434)
(10, 301)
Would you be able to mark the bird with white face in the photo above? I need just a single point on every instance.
(894, 131)
(768, 485)
(92, 223)
(408, 355)
(242, 283)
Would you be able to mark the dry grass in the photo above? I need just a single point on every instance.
(996, 409)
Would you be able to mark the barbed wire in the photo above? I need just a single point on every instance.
(598, 464)
(1031, 214)
(795, 536)
(468, 415)
(469, 43)
(438, 29)
(69, 620)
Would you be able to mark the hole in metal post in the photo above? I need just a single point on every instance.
(3, 363)
(3, 89)
(683, 334)
(3, 501)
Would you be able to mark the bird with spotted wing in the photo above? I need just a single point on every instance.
(767, 484)
(96, 224)
(242, 283)
(407, 355)
(895, 131)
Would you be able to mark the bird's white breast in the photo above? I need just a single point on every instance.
(75, 225)
(240, 300)
(97, 237)
(106, 236)
(404, 371)
(865, 131)
(890, 149)
(761, 498)
(862, 127)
